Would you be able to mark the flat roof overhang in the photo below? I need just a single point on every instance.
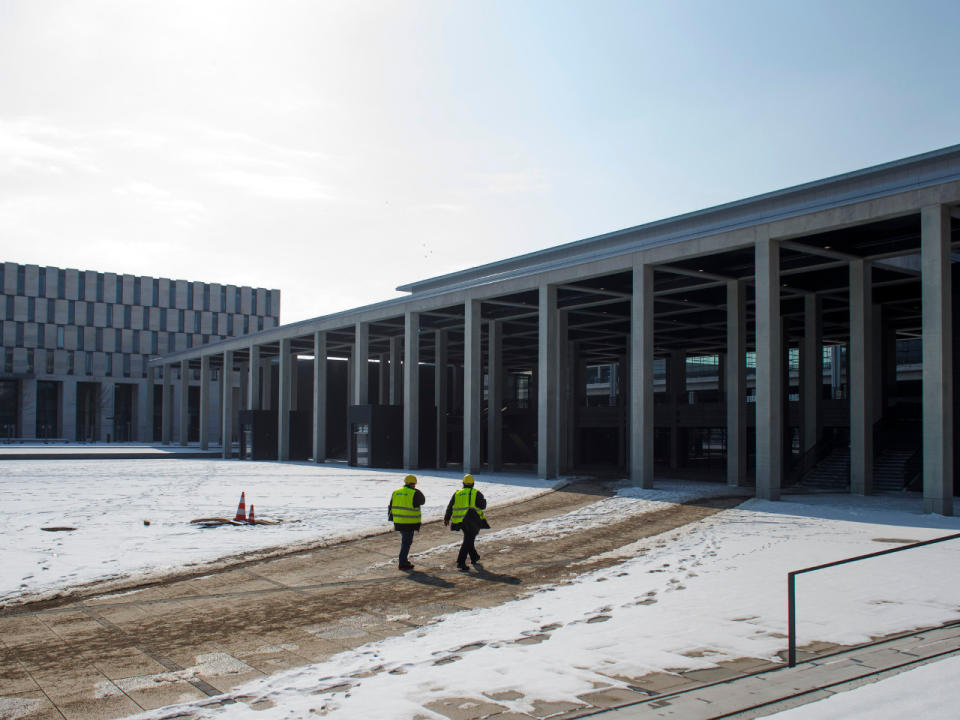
(695, 253)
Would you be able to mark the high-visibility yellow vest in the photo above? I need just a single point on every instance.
(401, 506)
(463, 500)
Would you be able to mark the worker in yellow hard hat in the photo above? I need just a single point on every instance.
(465, 512)
(404, 511)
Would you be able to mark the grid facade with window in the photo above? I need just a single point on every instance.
(61, 324)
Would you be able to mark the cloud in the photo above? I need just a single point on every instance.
(278, 187)
(36, 147)
(182, 211)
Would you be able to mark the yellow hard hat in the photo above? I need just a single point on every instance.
(410, 480)
(468, 479)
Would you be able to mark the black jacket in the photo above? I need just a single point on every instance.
(472, 520)
(418, 500)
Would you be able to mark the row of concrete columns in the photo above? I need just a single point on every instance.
(553, 384)
(862, 374)
(225, 402)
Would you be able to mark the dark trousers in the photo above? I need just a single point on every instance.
(467, 548)
(406, 540)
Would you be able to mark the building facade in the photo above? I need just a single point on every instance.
(75, 346)
(835, 298)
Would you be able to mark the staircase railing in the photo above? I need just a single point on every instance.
(912, 467)
(792, 584)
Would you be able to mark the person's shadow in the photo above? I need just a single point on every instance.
(418, 576)
(485, 574)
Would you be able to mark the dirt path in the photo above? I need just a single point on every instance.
(107, 656)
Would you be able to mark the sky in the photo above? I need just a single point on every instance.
(336, 150)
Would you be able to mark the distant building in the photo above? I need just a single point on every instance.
(75, 346)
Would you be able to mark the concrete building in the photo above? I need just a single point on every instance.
(756, 341)
(75, 345)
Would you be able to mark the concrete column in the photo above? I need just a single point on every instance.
(736, 384)
(563, 382)
(547, 394)
(294, 382)
(144, 408)
(440, 394)
(226, 404)
(361, 357)
(253, 379)
(28, 408)
(320, 397)
(283, 401)
(165, 402)
(769, 370)
(184, 422)
(411, 391)
(494, 395)
(396, 391)
(107, 401)
(811, 369)
(935, 259)
(860, 377)
(641, 377)
(351, 375)
(68, 408)
(569, 406)
(472, 385)
(205, 402)
(383, 379)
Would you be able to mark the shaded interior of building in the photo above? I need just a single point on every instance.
(691, 337)
(94, 401)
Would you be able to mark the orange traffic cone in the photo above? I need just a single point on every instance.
(250, 516)
(241, 515)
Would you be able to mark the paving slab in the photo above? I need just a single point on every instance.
(34, 705)
(126, 662)
(154, 691)
(460, 708)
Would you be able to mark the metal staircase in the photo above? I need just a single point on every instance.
(830, 474)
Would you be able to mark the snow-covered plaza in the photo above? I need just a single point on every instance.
(108, 501)
(685, 599)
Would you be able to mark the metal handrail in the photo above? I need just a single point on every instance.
(791, 587)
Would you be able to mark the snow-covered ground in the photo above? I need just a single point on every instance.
(107, 502)
(683, 600)
(46, 448)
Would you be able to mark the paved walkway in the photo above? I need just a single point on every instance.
(765, 692)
